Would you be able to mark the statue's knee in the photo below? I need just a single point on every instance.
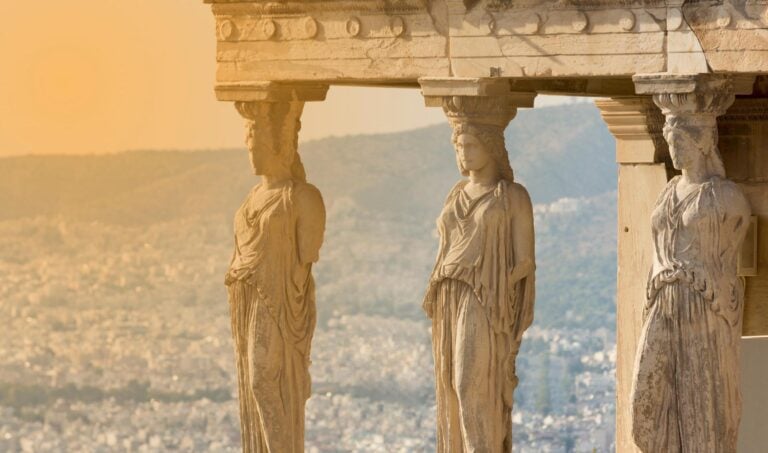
(264, 379)
(465, 390)
(261, 387)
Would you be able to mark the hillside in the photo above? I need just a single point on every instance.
(573, 158)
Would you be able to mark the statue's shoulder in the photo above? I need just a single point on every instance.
(729, 197)
(517, 194)
(307, 196)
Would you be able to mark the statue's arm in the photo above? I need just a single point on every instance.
(523, 242)
(522, 276)
(310, 225)
(736, 211)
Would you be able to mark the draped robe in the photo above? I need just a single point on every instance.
(478, 317)
(685, 395)
(272, 304)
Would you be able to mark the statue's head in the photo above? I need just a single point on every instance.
(478, 146)
(692, 141)
(478, 133)
(272, 137)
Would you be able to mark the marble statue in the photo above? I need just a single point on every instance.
(685, 394)
(481, 291)
(278, 233)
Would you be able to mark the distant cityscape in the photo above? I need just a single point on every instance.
(117, 339)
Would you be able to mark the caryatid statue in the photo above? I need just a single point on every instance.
(278, 233)
(685, 393)
(481, 291)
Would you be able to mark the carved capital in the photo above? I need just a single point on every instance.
(276, 122)
(692, 95)
(482, 102)
(637, 124)
(489, 111)
(259, 111)
(632, 117)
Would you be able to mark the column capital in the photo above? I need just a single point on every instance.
(271, 114)
(631, 117)
(636, 123)
(475, 101)
(267, 91)
(707, 95)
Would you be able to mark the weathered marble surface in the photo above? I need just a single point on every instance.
(278, 234)
(398, 42)
(686, 394)
(481, 292)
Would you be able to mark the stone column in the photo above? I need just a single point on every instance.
(744, 147)
(278, 234)
(743, 144)
(480, 295)
(641, 153)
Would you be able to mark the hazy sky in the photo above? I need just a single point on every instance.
(92, 76)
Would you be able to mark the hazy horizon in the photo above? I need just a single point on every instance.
(338, 96)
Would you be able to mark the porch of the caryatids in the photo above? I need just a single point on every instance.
(685, 393)
(278, 232)
(480, 294)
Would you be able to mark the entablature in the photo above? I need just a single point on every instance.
(398, 42)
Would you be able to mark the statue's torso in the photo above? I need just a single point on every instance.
(263, 230)
(696, 240)
(464, 224)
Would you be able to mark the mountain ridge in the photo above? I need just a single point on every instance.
(135, 187)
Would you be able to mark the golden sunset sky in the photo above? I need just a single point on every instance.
(96, 76)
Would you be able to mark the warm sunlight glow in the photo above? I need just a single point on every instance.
(83, 76)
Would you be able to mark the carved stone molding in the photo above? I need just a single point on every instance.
(285, 8)
(502, 5)
(635, 118)
(631, 117)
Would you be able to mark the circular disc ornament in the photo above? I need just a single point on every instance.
(353, 26)
(674, 19)
(580, 22)
(397, 26)
(627, 21)
(310, 27)
(227, 30)
(268, 28)
(723, 18)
